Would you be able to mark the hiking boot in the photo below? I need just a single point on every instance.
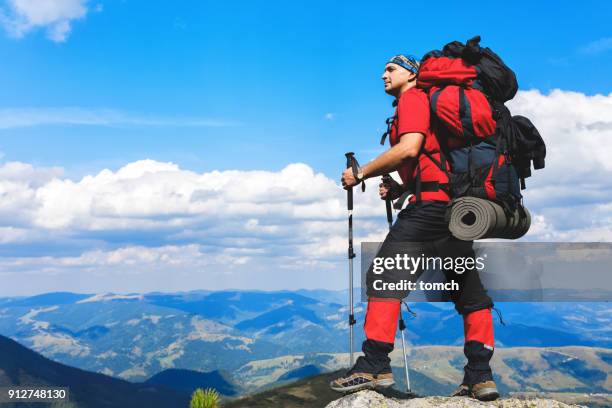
(359, 381)
(461, 391)
(366, 373)
(484, 391)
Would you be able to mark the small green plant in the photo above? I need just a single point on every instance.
(208, 398)
(64, 404)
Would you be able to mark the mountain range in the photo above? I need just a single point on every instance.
(246, 341)
(20, 366)
(555, 372)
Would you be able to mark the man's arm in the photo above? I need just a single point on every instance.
(409, 146)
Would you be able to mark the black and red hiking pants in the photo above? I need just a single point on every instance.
(424, 223)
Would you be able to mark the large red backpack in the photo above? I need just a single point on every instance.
(490, 152)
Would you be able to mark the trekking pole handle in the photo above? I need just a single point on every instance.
(351, 163)
(386, 179)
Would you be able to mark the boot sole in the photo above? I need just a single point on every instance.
(370, 385)
(487, 394)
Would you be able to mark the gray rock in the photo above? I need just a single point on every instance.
(372, 399)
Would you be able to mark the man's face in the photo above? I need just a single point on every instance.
(395, 77)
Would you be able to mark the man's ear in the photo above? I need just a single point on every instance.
(412, 77)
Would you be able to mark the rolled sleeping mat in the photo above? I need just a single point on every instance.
(523, 225)
(512, 224)
(474, 218)
(516, 226)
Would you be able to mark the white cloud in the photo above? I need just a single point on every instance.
(132, 258)
(26, 117)
(248, 206)
(55, 16)
(572, 195)
(598, 46)
(12, 234)
(241, 228)
(156, 218)
(330, 116)
(18, 185)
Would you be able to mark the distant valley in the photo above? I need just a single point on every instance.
(248, 341)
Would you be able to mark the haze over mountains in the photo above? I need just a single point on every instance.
(247, 341)
(21, 366)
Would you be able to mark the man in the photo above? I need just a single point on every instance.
(415, 155)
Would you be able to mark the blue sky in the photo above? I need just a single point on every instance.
(233, 93)
(274, 69)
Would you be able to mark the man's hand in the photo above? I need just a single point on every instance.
(408, 148)
(348, 179)
(391, 189)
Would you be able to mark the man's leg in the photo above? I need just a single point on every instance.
(473, 303)
(380, 327)
(414, 224)
(373, 369)
(478, 348)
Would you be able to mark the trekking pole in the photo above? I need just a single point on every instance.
(351, 162)
(402, 326)
(386, 179)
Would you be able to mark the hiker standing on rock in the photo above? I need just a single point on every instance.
(414, 150)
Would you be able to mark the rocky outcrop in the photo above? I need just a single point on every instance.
(372, 399)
